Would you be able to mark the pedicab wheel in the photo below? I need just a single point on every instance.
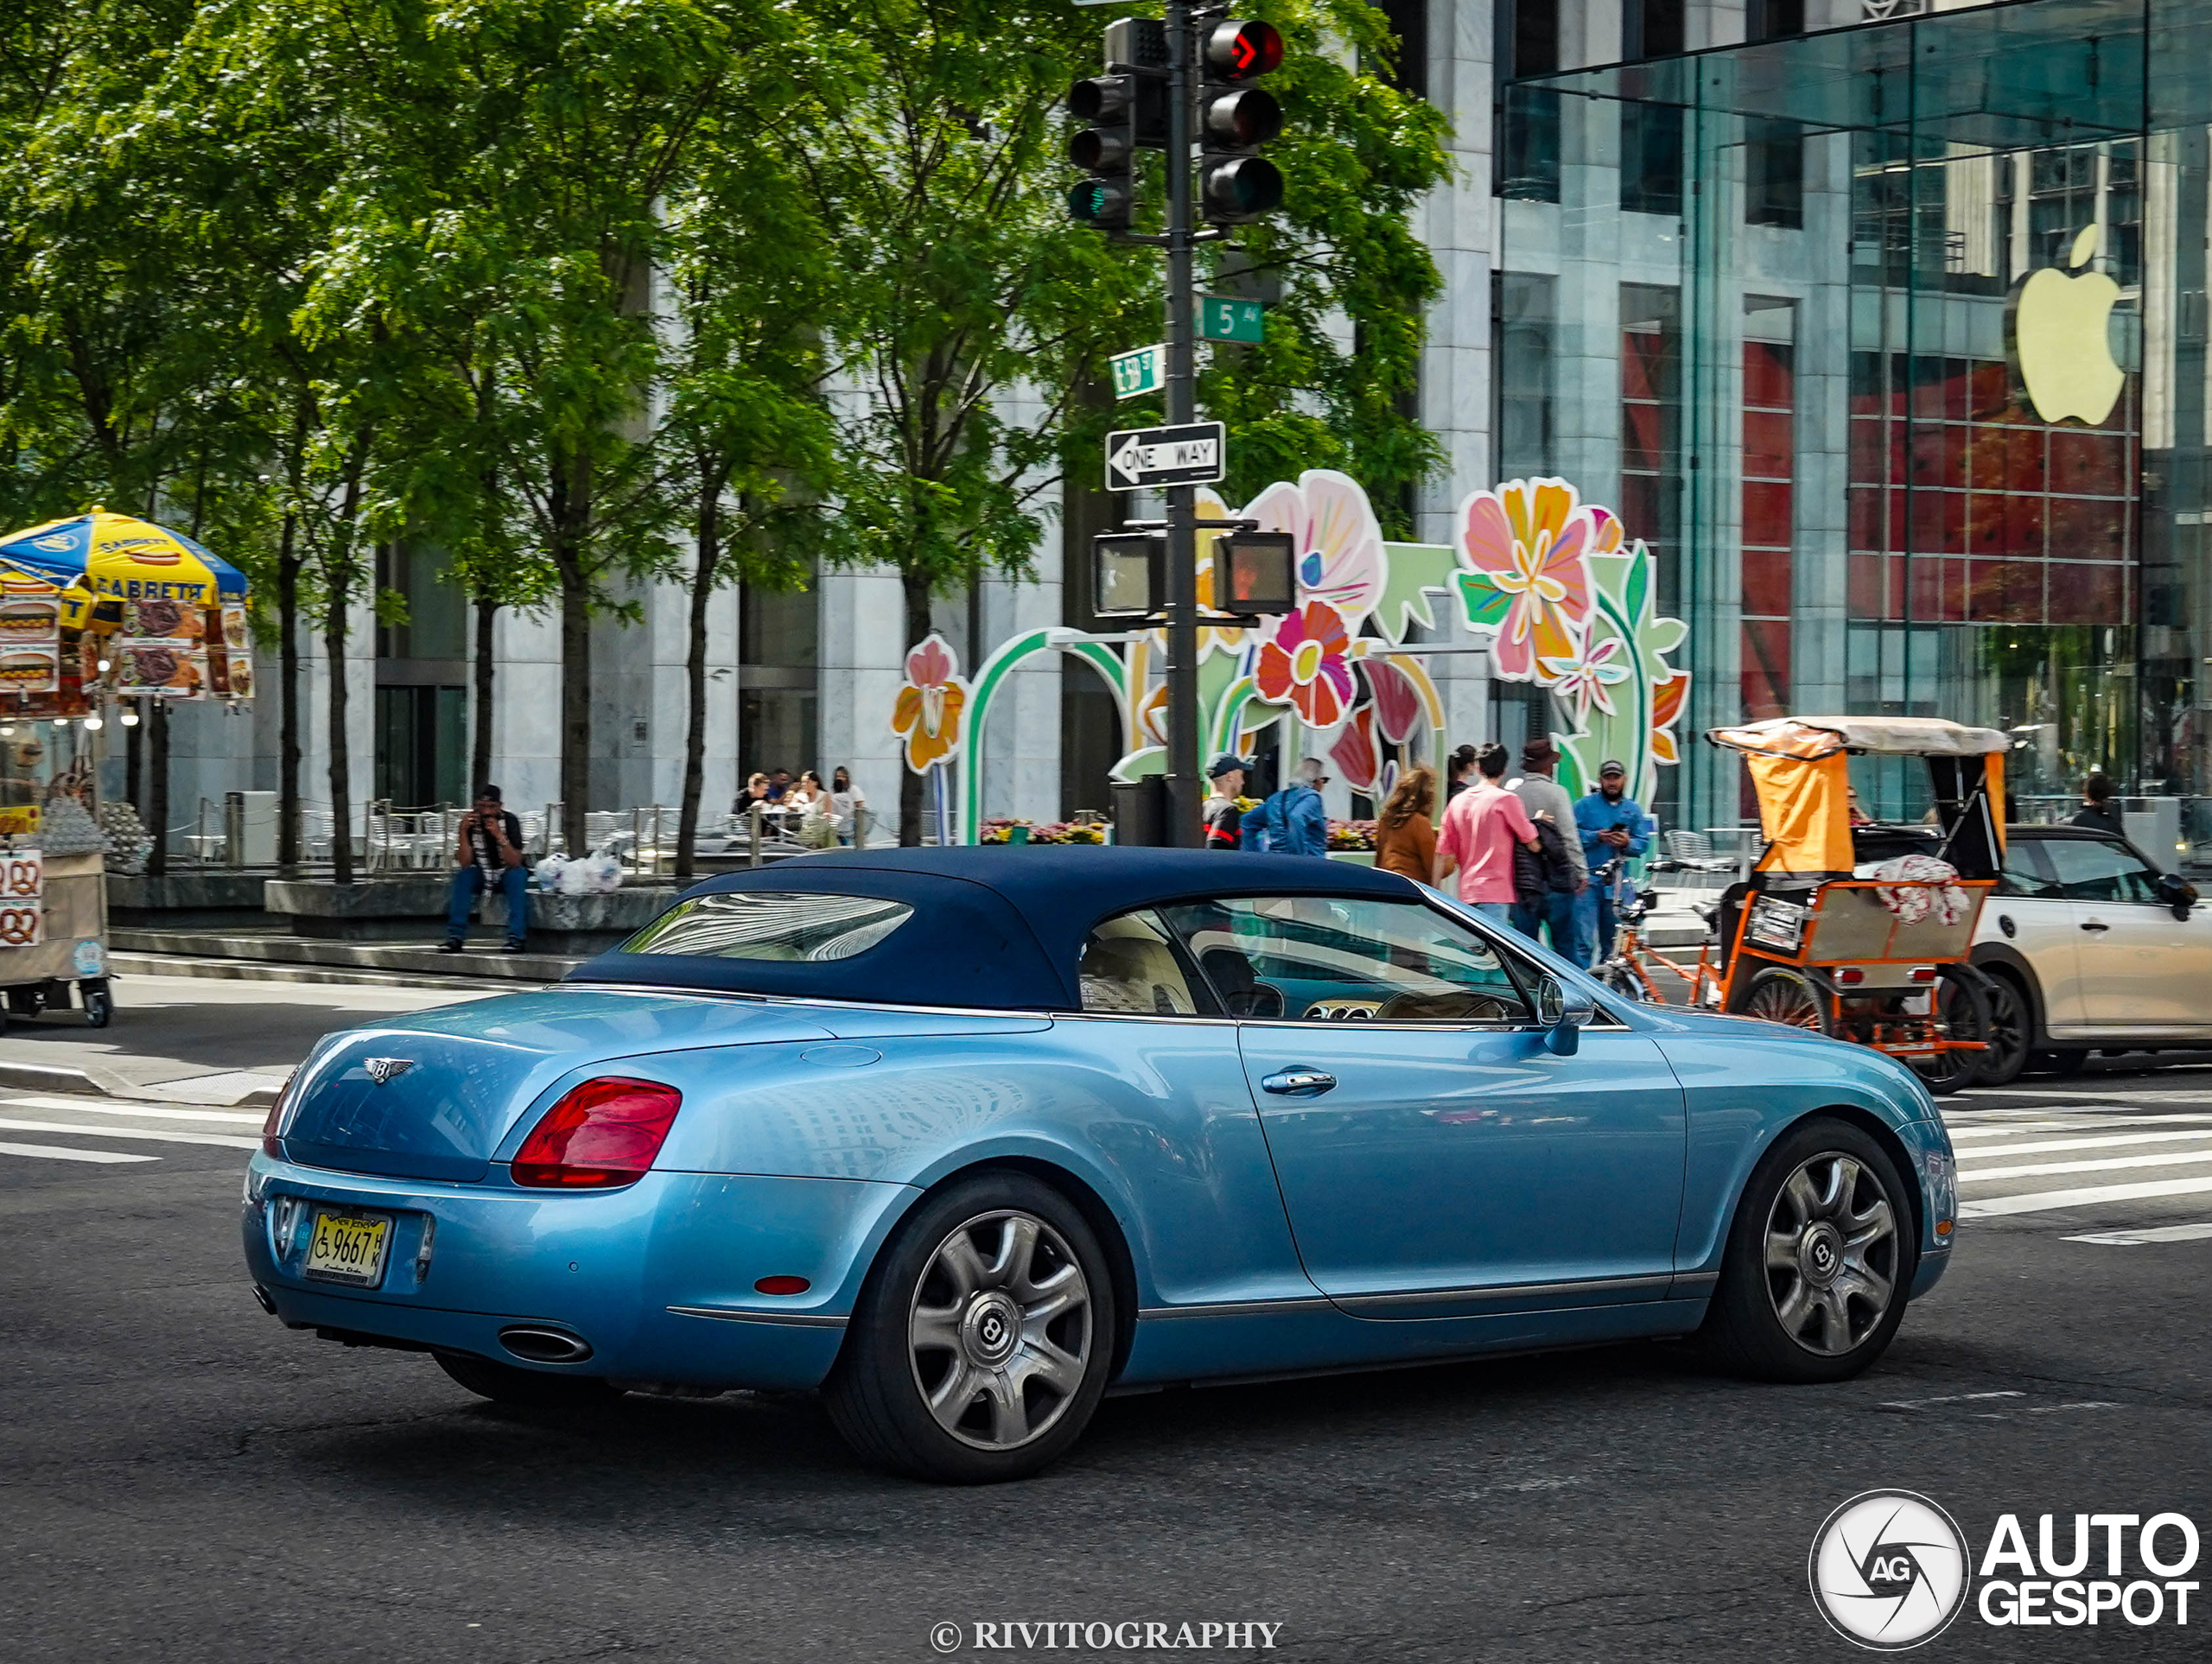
(1962, 1011)
(99, 1004)
(1794, 998)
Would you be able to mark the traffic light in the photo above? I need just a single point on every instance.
(1235, 118)
(1127, 107)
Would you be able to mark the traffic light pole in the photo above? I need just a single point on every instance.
(1186, 795)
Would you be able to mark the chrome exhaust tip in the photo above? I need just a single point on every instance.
(261, 1299)
(540, 1344)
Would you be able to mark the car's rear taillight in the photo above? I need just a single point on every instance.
(601, 1133)
(271, 1145)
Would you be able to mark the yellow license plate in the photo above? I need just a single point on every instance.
(349, 1248)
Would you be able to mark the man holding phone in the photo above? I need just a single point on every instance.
(488, 853)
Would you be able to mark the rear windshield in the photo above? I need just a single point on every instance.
(771, 924)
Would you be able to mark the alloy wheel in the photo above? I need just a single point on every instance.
(1831, 1254)
(1000, 1333)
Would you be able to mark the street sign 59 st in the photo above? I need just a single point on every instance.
(1140, 458)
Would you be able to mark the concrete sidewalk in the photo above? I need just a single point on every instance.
(185, 1039)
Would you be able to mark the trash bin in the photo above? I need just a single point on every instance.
(1140, 810)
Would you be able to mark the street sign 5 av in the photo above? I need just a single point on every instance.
(1138, 458)
(1225, 319)
(1144, 371)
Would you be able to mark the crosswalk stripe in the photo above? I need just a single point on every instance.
(55, 1153)
(2013, 1128)
(2150, 1234)
(127, 1106)
(226, 1139)
(2088, 1196)
(2038, 1146)
(2106, 1164)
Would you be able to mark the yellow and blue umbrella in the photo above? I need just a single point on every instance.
(128, 559)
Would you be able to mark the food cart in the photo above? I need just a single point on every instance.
(98, 614)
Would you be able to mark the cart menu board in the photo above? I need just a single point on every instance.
(30, 641)
(23, 899)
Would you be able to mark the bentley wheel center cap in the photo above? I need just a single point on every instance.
(1821, 1254)
(991, 1329)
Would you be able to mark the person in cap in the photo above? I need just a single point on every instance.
(1291, 822)
(488, 855)
(1222, 815)
(1544, 798)
(1610, 823)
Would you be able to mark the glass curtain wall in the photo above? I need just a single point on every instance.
(1936, 444)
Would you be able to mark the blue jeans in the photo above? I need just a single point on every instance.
(1555, 914)
(1498, 911)
(1593, 926)
(514, 884)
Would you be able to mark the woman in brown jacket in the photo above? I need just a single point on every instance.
(1405, 837)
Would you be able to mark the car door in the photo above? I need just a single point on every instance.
(2029, 913)
(1435, 1157)
(2141, 968)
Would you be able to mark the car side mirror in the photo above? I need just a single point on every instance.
(2177, 892)
(1563, 1010)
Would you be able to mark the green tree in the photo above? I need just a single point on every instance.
(977, 318)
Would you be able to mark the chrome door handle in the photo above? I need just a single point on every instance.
(2095, 925)
(1299, 1082)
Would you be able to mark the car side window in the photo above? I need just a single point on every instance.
(2027, 870)
(1338, 959)
(1130, 969)
(2093, 869)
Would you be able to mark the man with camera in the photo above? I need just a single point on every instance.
(488, 853)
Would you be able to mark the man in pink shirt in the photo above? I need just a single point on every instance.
(1481, 826)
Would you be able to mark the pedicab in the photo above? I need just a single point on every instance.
(1854, 928)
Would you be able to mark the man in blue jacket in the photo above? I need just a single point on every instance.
(1612, 824)
(1291, 822)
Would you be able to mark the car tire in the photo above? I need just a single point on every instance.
(503, 1383)
(2012, 1030)
(983, 1336)
(1794, 998)
(1785, 1309)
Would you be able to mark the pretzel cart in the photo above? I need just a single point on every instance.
(99, 615)
(1858, 928)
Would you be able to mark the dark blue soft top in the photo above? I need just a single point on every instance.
(994, 927)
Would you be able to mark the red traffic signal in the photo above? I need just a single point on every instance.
(1242, 51)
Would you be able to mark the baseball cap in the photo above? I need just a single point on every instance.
(1222, 765)
(1612, 765)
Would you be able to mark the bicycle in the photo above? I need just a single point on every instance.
(1628, 969)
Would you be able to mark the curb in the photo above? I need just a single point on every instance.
(128, 963)
(104, 1084)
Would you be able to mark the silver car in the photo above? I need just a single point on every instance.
(2088, 945)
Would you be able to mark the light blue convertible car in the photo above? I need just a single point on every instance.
(966, 1137)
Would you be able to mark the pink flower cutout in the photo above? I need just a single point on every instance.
(1527, 540)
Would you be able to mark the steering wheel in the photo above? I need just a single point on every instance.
(1461, 1006)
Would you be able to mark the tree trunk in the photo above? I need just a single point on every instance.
(342, 795)
(575, 708)
(480, 671)
(289, 841)
(704, 572)
(157, 786)
(915, 590)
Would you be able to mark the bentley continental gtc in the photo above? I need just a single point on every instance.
(964, 1138)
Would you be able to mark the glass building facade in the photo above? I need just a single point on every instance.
(1891, 341)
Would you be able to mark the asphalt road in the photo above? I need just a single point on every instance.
(184, 1479)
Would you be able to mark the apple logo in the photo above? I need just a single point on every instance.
(2059, 339)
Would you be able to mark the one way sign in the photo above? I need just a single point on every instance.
(1192, 455)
